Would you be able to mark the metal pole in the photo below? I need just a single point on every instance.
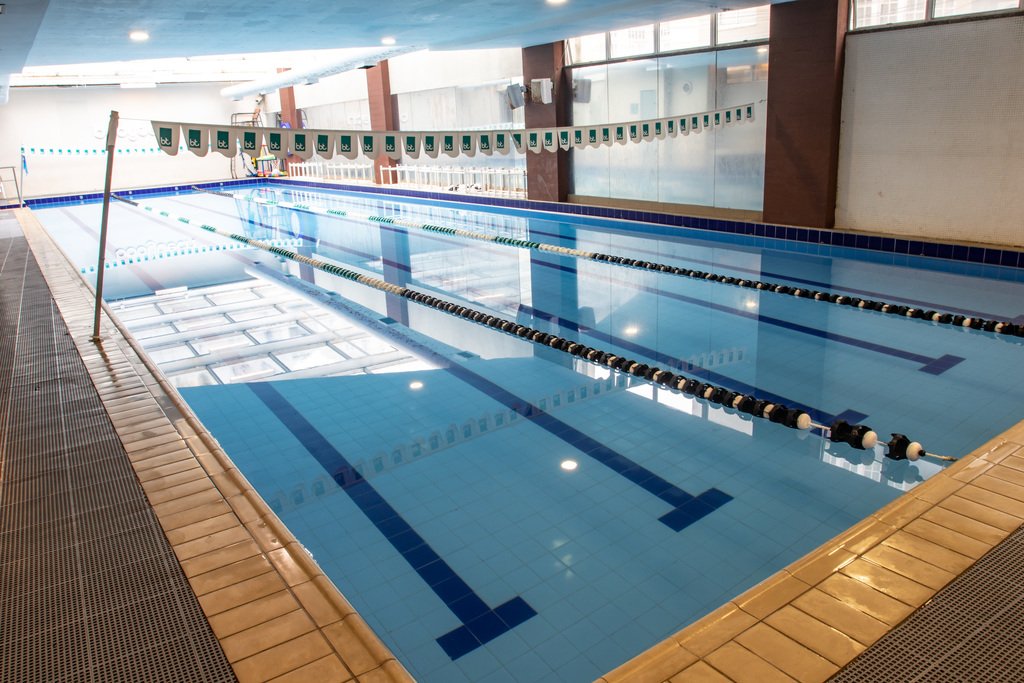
(111, 142)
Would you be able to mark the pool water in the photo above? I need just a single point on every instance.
(502, 511)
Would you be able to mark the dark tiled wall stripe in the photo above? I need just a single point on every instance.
(480, 623)
(934, 366)
(889, 245)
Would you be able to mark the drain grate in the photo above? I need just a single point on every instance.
(90, 589)
(972, 630)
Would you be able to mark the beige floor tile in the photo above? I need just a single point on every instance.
(228, 483)
(166, 470)
(316, 598)
(701, 672)
(1010, 474)
(230, 574)
(388, 672)
(947, 538)
(1015, 460)
(290, 564)
(188, 488)
(786, 654)
(175, 454)
(902, 510)
(163, 449)
(992, 499)
(220, 558)
(170, 481)
(244, 507)
(282, 658)
(191, 501)
(907, 565)
(203, 529)
(844, 618)
(1000, 486)
(816, 567)
(327, 669)
(253, 613)
(923, 549)
(357, 645)
(768, 596)
(815, 635)
(866, 535)
(743, 666)
(937, 488)
(193, 515)
(866, 599)
(265, 535)
(982, 513)
(889, 582)
(266, 635)
(718, 627)
(240, 593)
(657, 664)
(968, 526)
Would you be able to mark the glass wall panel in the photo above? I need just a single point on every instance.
(881, 12)
(686, 163)
(592, 48)
(632, 95)
(950, 8)
(739, 149)
(741, 25)
(638, 40)
(591, 168)
(685, 34)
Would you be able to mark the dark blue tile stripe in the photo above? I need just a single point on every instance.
(768, 320)
(618, 463)
(682, 366)
(480, 624)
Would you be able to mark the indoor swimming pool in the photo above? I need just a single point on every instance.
(498, 509)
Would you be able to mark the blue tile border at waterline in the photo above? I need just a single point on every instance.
(835, 238)
(659, 223)
(480, 623)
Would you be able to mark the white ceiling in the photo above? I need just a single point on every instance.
(47, 32)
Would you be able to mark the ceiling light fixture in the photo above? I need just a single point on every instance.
(138, 36)
(557, 2)
(416, 385)
(569, 465)
(387, 40)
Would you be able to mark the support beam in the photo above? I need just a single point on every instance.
(547, 173)
(805, 89)
(382, 112)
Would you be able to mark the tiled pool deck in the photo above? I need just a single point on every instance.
(278, 617)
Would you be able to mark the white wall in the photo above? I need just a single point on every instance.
(77, 118)
(932, 141)
(430, 70)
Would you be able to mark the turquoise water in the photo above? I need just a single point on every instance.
(508, 512)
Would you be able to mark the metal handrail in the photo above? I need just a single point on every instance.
(17, 187)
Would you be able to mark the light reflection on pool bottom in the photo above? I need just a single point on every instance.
(485, 488)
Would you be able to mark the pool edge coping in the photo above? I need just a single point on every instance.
(812, 618)
(272, 608)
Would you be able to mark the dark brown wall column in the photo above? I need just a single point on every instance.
(382, 114)
(805, 89)
(289, 114)
(547, 173)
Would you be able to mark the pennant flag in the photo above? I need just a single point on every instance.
(593, 137)
(467, 144)
(370, 145)
(502, 145)
(392, 148)
(449, 144)
(278, 140)
(718, 119)
(533, 141)
(517, 141)
(483, 143)
(659, 129)
(411, 145)
(565, 138)
(225, 140)
(431, 145)
(606, 137)
(167, 136)
(577, 137)
(324, 143)
(197, 139)
(620, 135)
(705, 121)
(634, 132)
(670, 127)
(302, 144)
(646, 131)
(252, 140)
(348, 146)
(749, 109)
(695, 124)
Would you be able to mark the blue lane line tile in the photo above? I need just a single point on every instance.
(711, 499)
(941, 364)
(768, 320)
(679, 365)
(480, 624)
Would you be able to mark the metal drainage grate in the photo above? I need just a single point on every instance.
(90, 589)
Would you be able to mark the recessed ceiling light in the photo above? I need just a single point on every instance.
(138, 36)
(387, 40)
(569, 465)
(416, 385)
(557, 2)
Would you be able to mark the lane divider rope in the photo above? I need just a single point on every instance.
(956, 320)
(858, 436)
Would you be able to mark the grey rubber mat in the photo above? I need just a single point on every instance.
(90, 589)
(972, 630)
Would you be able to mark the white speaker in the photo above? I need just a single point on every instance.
(540, 90)
(514, 96)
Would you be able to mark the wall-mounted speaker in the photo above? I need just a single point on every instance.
(514, 96)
